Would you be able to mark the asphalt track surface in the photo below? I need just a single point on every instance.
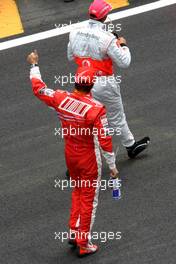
(31, 156)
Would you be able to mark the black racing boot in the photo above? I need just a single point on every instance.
(72, 242)
(138, 147)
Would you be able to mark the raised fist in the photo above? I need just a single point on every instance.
(33, 57)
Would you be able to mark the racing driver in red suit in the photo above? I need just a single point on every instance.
(79, 110)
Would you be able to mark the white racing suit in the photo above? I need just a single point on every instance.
(91, 45)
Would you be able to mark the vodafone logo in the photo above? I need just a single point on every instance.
(86, 63)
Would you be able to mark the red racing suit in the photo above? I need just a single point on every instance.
(87, 119)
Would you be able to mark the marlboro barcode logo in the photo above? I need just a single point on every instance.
(74, 106)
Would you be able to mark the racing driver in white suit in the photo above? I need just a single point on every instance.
(91, 45)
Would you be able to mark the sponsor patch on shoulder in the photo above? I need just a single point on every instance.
(47, 92)
(104, 121)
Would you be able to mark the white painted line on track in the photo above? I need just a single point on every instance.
(66, 29)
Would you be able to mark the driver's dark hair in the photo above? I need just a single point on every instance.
(83, 88)
(92, 16)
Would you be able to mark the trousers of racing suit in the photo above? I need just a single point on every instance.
(84, 123)
(91, 45)
(86, 174)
